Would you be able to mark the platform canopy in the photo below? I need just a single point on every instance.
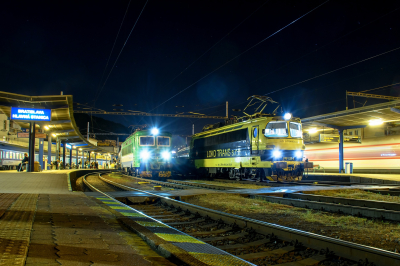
(362, 116)
(353, 118)
(62, 124)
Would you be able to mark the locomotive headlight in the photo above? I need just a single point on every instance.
(298, 154)
(145, 155)
(287, 116)
(154, 131)
(166, 155)
(277, 153)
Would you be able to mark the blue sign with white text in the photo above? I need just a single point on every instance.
(29, 114)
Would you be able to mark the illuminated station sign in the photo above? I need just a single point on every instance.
(29, 114)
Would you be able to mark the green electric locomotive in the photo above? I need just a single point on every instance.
(259, 146)
(147, 153)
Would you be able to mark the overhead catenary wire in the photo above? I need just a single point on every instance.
(112, 49)
(237, 56)
(332, 71)
(215, 44)
(341, 81)
(120, 52)
(319, 48)
(382, 87)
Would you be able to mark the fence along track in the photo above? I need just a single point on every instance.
(338, 247)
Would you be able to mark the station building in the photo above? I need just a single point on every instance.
(51, 137)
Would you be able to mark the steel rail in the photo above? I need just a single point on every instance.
(185, 184)
(160, 249)
(164, 183)
(341, 248)
(373, 204)
(203, 185)
(333, 207)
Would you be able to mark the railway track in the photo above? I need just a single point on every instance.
(359, 208)
(258, 242)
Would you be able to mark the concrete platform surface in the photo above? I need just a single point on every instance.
(67, 229)
(50, 182)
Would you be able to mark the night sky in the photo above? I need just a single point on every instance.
(213, 51)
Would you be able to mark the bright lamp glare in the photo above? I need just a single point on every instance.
(298, 154)
(313, 130)
(375, 122)
(277, 153)
(154, 131)
(287, 116)
(145, 155)
(166, 155)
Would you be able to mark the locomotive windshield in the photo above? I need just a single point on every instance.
(163, 141)
(146, 141)
(295, 130)
(276, 129)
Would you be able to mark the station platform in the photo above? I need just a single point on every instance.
(42, 222)
(355, 178)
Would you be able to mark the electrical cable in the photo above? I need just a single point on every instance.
(382, 87)
(341, 81)
(276, 32)
(112, 49)
(115, 62)
(319, 48)
(329, 72)
(209, 49)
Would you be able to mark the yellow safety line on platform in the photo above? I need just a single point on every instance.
(132, 214)
(15, 230)
(209, 259)
(179, 238)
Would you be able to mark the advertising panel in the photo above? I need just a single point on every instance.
(29, 114)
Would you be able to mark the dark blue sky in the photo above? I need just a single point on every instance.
(52, 46)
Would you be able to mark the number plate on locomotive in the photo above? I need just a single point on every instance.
(288, 158)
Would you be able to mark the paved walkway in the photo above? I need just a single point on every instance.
(67, 229)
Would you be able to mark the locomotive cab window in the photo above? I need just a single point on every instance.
(295, 130)
(276, 129)
(146, 141)
(163, 141)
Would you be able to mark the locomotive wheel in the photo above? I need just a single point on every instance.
(299, 178)
(232, 174)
